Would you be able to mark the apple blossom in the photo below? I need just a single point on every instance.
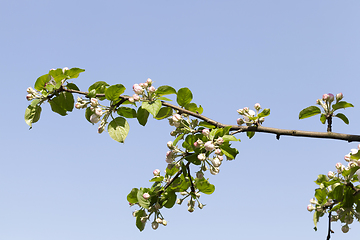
(29, 97)
(131, 99)
(138, 89)
(347, 157)
(176, 117)
(94, 102)
(94, 118)
(218, 151)
(209, 146)
(149, 81)
(156, 172)
(220, 158)
(339, 96)
(251, 113)
(136, 97)
(257, 106)
(310, 208)
(220, 140)
(164, 222)
(201, 157)
(216, 162)
(246, 109)
(146, 196)
(214, 170)
(331, 174)
(151, 89)
(98, 112)
(313, 201)
(205, 132)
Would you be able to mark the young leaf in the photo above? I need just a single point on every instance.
(132, 196)
(341, 104)
(118, 129)
(41, 81)
(342, 117)
(264, 113)
(229, 152)
(184, 96)
(207, 125)
(113, 92)
(142, 116)
(165, 90)
(72, 86)
(74, 72)
(204, 186)
(88, 114)
(32, 114)
(152, 107)
(170, 199)
(99, 87)
(309, 112)
(194, 108)
(127, 112)
(250, 134)
(62, 103)
(139, 224)
(228, 138)
(323, 118)
(145, 203)
(164, 112)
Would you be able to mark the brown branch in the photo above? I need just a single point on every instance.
(238, 129)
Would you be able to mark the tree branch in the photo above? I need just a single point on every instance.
(238, 129)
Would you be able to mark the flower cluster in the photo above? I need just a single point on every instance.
(32, 94)
(143, 91)
(326, 101)
(251, 117)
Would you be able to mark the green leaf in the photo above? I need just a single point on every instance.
(341, 104)
(170, 197)
(337, 192)
(62, 103)
(72, 86)
(194, 108)
(229, 152)
(118, 129)
(193, 159)
(74, 72)
(204, 186)
(309, 112)
(178, 138)
(171, 169)
(113, 92)
(142, 116)
(316, 219)
(152, 107)
(92, 94)
(323, 118)
(164, 112)
(342, 117)
(139, 224)
(157, 179)
(321, 179)
(99, 87)
(32, 114)
(264, 113)
(320, 195)
(41, 81)
(58, 75)
(228, 138)
(164, 99)
(207, 125)
(250, 134)
(132, 196)
(127, 112)
(165, 90)
(184, 96)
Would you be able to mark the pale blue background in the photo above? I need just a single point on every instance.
(62, 180)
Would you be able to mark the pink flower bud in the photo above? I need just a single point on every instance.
(331, 174)
(151, 89)
(146, 196)
(339, 96)
(77, 105)
(206, 132)
(201, 157)
(176, 117)
(245, 109)
(257, 106)
(318, 101)
(310, 208)
(100, 129)
(220, 140)
(159, 220)
(218, 151)
(240, 121)
(330, 97)
(138, 89)
(29, 97)
(196, 144)
(149, 81)
(30, 90)
(347, 157)
(170, 144)
(136, 97)
(94, 118)
(325, 97)
(261, 120)
(240, 111)
(216, 162)
(199, 175)
(144, 84)
(209, 146)
(98, 111)
(220, 158)
(94, 102)
(156, 172)
(131, 99)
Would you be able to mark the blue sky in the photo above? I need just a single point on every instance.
(62, 180)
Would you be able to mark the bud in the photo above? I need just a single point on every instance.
(146, 196)
(201, 157)
(136, 97)
(200, 205)
(159, 220)
(156, 172)
(173, 133)
(149, 81)
(196, 144)
(358, 174)
(352, 165)
(347, 157)
(164, 222)
(131, 99)
(216, 162)
(220, 158)
(94, 102)
(151, 89)
(190, 209)
(29, 97)
(209, 146)
(205, 132)
(218, 151)
(98, 111)
(154, 225)
(220, 140)
(331, 174)
(65, 69)
(325, 97)
(246, 109)
(345, 228)
(349, 219)
(257, 106)
(240, 121)
(318, 102)
(78, 105)
(214, 170)
(261, 120)
(100, 129)
(199, 175)
(170, 145)
(313, 201)
(179, 201)
(339, 96)
(310, 208)
(240, 111)
(94, 118)
(138, 89)
(176, 117)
